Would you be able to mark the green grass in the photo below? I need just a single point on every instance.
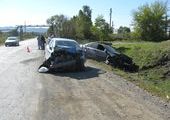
(2, 38)
(153, 60)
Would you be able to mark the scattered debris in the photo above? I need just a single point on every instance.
(43, 70)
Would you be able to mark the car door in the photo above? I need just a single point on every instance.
(101, 52)
(91, 50)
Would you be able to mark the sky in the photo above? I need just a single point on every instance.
(19, 12)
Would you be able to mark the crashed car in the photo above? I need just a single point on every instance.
(105, 52)
(63, 54)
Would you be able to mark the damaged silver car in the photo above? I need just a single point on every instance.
(63, 54)
(102, 51)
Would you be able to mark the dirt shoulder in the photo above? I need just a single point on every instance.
(96, 94)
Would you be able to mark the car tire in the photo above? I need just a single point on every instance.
(107, 61)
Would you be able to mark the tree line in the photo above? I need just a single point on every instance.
(80, 26)
(149, 24)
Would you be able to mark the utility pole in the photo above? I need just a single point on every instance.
(167, 21)
(25, 27)
(110, 17)
(113, 26)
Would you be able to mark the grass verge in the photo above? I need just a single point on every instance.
(153, 60)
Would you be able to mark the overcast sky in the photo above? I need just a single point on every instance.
(15, 12)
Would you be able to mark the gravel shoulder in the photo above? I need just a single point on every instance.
(97, 94)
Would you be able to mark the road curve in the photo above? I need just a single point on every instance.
(95, 94)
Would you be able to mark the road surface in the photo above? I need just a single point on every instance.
(95, 94)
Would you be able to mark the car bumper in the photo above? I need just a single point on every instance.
(11, 44)
(71, 64)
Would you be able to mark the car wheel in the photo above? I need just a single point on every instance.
(108, 59)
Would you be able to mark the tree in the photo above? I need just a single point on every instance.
(69, 29)
(149, 21)
(124, 33)
(84, 23)
(13, 32)
(56, 24)
(123, 30)
(101, 30)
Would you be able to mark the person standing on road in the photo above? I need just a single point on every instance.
(39, 42)
(43, 42)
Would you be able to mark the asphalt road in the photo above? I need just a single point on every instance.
(96, 94)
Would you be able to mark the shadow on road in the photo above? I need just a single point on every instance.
(89, 72)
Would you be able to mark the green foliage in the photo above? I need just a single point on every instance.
(3, 37)
(101, 30)
(123, 33)
(149, 21)
(13, 32)
(154, 63)
(80, 26)
(84, 23)
(123, 30)
(56, 24)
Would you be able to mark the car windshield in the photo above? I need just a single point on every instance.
(110, 49)
(66, 43)
(12, 38)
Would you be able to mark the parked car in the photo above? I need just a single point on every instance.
(12, 41)
(105, 52)
(63, 54)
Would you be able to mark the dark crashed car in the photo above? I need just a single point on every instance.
(105, 52)
(64, 54)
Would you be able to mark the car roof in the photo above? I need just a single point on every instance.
(104, 44)
(12, 37)
(63, 39)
